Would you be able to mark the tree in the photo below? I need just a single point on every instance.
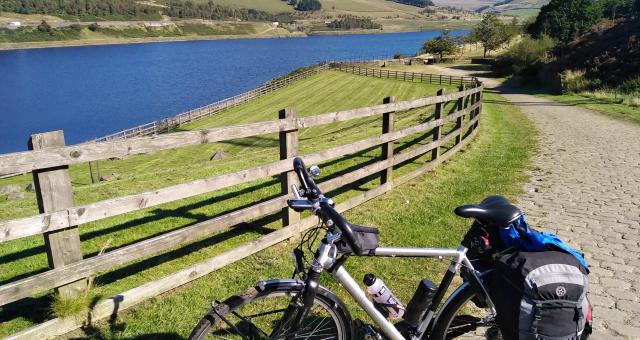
(417, 3)
(491, 33)
(611, 7)
(308, 5)
(44, 27)
(565, 19)
(444, 44)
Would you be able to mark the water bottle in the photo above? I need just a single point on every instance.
(383, 298)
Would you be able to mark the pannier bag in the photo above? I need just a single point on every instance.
(540, 295)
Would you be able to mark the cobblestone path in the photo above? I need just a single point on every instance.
(585, 187)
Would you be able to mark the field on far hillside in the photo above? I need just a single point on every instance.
(518, 8)
(372, 8)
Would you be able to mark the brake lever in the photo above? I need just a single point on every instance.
(295, 191)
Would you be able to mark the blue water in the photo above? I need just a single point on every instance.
(96, 90)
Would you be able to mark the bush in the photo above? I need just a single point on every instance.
(631, 85)
(93, 27)
(523, 56)
(398, 56)
(44, 27)
(574, 81)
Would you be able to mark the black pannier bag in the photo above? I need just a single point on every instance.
(540, 296)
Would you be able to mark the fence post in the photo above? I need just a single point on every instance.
(460, 119)
(53, 193)
(437, 131)
(472, 113)
(479, 109)
(387, 148)
(288, 149)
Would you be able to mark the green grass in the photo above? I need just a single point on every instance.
(615, 107)
(329, 91)
(418, 214)
(373, 8)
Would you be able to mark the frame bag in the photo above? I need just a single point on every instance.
(541, 295)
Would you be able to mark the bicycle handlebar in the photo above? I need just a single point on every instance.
(313, 193)
(311, 189)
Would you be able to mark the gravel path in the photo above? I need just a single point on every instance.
(585, 186)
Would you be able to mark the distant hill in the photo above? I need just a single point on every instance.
(518, 8)
(372, 8)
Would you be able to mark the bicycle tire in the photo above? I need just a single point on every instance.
(443, 325)
(276, 288)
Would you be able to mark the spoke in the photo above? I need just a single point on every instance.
(263, 314)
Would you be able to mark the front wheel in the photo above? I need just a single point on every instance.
(258, 313)
(461, 318)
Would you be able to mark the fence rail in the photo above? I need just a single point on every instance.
(60, 218)
(428, 78)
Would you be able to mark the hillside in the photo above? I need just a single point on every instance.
(609, 52)
(124, 21)
(517, 8)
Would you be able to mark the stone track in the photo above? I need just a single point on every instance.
(585, 187)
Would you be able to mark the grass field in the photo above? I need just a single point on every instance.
(326, 92)
(627, 107)
(418, 213)
(371, 8)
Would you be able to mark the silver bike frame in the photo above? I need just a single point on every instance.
(327, 259)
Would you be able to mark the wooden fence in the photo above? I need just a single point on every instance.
(428, 78)
(167, 124)
(60, 218)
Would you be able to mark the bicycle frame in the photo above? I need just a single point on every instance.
(326, 256)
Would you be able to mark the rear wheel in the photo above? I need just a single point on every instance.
(258, 313)
(463, 319)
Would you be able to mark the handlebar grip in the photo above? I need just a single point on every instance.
(347, 232)
(305, 179)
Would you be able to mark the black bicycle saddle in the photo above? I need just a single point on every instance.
(493, 210)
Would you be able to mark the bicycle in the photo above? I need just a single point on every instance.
(301, 308)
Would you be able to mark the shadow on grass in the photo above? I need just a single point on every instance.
(36, 310)
(237, 230)
(158, 214)
(475, 70)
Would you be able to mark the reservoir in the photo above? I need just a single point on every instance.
(91, 91)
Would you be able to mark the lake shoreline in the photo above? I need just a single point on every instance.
(80, 43)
